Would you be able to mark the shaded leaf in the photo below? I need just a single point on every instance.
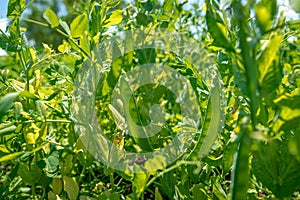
(218, 31)
(276, 168)
(6, 102)
(71, 187)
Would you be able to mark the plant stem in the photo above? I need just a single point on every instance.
(60, 32)
(179, 163)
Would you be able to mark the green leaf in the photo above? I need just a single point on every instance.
(51, 17)
(71, 187)
(199, 192)
(57, 186)
(52, 162)
(143, 19)
(7, 102)
(7, 42)
(139, 183)
(7, 128)
(265, 12)
(157, 194)
(228, 156)
(156, 163)
(168, 5)
(107, 195)
(28, 95)
(217, 30)
(65, 26)
(30, 174)
(15, 8)
(168, 178)
(114, 18)
(79, 25)
(276, 168)
(268, 65)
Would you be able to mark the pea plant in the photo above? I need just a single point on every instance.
(85, 120)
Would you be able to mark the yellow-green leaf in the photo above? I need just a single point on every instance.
(270, 73)
(265, 12)
(51, 17)
(79, 25)
(114, 18)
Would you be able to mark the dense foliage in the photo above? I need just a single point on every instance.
(257, 152)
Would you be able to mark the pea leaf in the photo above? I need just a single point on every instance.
(30, 174)
(143, 19)
(51, 17)
(65, 26)
(114, 18)
(7, 102)
(265, 12)
(276, 168)
(71, 187)
(79, 25)
(217, 30)
(139, 183)
(7, 128)
(57, 186)
(268, 65)
(15, 8)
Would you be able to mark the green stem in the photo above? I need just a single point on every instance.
(60, 32)
(240, 175)
(178, 164)
(248, 59)
(48, 120)
(112, 181)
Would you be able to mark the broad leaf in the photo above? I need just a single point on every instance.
(114, 18)
(7, 128)
(51, 17)
(15, 8)
(65, 26)
(79, 25)
(265, 12)
(30, 174)
(217, 30)
(71, 187)
(6, 102)
(276, 168)
(268, 65)
(139, 183)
